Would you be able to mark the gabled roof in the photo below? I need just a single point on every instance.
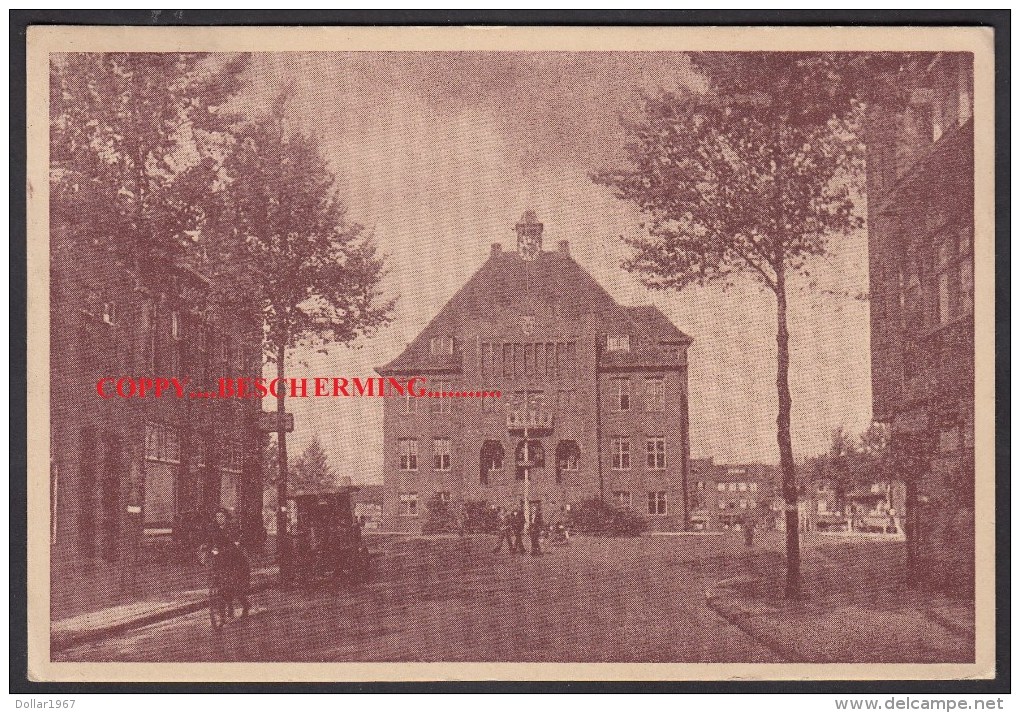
(503, 284)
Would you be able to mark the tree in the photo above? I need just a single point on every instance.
(283, 242)
(853, 465)
(311, 471)
(133, 147)
(750, 179)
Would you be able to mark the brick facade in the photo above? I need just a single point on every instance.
(723, 495)
(921, 224)
(570, 364)
(124, 468)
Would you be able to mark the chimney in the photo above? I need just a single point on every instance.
(564, 246)
(497, 249)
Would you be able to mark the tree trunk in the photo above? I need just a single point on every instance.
(283, 549)
(793, 590)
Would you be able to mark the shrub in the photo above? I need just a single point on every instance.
(595, 517)
(479, 517)
(439, 517)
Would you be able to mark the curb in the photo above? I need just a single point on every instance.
(62, 642)
(717, 601)
(948, 624)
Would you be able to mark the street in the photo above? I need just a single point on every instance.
(452, 599)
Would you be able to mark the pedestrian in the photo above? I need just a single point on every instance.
(535, 532)
(749, 530)
(503, 530)
(517, 523)
(231, 567)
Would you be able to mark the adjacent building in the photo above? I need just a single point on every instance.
(126, 469)
(593, 397)
(920, 189)
(725, 496)
(368, 504)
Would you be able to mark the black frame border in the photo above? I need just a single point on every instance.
(998, 20)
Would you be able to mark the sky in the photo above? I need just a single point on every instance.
(438, 154)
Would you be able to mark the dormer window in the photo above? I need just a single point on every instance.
(618, 343)
(441, 345)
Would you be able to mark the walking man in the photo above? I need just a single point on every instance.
(503, 530)
(517, 523)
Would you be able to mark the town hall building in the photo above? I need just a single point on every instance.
(593, 398)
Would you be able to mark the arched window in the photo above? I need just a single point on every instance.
(492, 459)
(528, 454)
(568, 457)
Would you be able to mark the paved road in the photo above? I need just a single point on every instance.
(451, 599)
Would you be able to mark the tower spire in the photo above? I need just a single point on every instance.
(529, 235)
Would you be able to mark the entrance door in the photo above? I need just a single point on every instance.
(113, 475)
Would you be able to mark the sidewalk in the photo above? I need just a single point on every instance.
(857, 608)
(100, 598)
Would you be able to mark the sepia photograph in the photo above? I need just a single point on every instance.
(448, 353)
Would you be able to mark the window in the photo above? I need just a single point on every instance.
(485, 359)
(823, 507)
(197, 451)
(110, 312)
(564, 401)
(618, 343)
(722, 504)
(508, 361)
(233, 457)
(753, 487)
(408, 504)
(742, 487)
(966, 272)
(162, 443)
(743, 504)
(492, 457)
(568, 456)
(657, 502)
(655, 453)
(945, 311)
(655, 394)
(966, 285)
(408, 449)
(621, 498)
(732, 487)
(620, 449)
(441, 404)
(721, 487)
(409, 404)
(620, 394)
(224, 348)
(440, 345)
(949, 439)
(175, 325)
(701, 485)
(441, 454)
